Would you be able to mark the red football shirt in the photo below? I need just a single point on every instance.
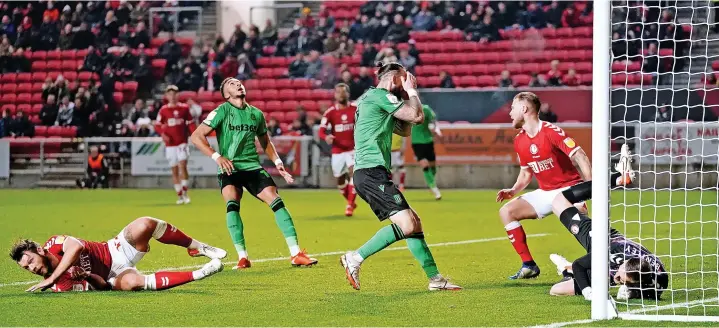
(547, 155)
(341, 123)
(175, 122)
(95, 258)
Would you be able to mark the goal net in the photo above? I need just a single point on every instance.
(663, 103)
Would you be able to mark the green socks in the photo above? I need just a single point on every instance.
(234, 225)
(420, 251)
(383, 238)
(429, 174)
(284, 222)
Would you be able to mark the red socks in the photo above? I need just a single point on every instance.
(172, 236)
(351, 194)
(516, 235)
(167, 280)
(402, 174)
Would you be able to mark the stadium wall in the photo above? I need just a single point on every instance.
(232, 13)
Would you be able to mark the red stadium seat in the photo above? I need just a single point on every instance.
(207, 106)
(468, 81)
(320, 94)
(443, 58)
(40, 131)
(585, 67)
(36, 98)
(486, 81)
(279, 72)
(38, 66)
(84, 76)
(37, 55)
(24, 88)
(514, 68)
(8, 98)
(217, 96)
(24, 77)
(450, 69)
(8, 88)
(10, 107)
(54, 131)
(27, 109)
(24, 98)
(251, 85)
(279, 116)
(273, 106)
(283, 84)
(289, 105)
(301, 84)
(8, 77)
(68, 65)
(583, 32)
(522, 79)
(263, 62)
(303, 94)
(324, 104)
(291, 116)
(565, 32)
(265, 84)
(39, 76)
(204, 96)
(530, 68)
(264, 73)
(70, 76)
(36, 108)
(309, 105)
(183, 96)
(158, 67)
(495, 69)
(270, 94)
(287, 94)
(118, 97)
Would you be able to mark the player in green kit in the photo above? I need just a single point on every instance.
(379, 114)
(423, 148)
(237, 124)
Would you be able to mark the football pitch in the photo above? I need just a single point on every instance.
(463, 229)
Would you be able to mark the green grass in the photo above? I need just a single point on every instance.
(272, 293)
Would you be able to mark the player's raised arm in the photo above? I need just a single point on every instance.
(71, 248)
(411, 110)
(199, 139)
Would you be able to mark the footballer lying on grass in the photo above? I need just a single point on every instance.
(638, 272)
(71, 264)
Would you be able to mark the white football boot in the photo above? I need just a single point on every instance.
(207, 251)
(624, 167)
(352, 269)
(437, 194)
(210, 268)
(441, 283)
(561, 263)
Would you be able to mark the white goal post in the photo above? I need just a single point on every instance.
(670, 124)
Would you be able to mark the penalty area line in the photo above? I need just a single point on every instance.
(286, 258)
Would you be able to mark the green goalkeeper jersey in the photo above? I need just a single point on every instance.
(374, 125)
(421, 133)
(236, 131)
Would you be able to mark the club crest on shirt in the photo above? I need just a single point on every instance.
(252, 117)
(533, 149)
(574, 229)
(392, 98)
(570, 142)
(344, 117)
(175, 113)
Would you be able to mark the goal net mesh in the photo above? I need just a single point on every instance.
(664, 105)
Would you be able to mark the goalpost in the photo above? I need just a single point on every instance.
(673, 206)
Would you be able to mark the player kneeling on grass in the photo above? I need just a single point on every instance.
(638, 272)
(379, 114)
(238, 124)
(72, 264)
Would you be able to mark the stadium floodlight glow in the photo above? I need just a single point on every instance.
(673, 206)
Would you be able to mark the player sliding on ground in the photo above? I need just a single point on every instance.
(174, 124)
(340, 121)
(379, 114)
(237, 124)
(548, 153)
(71, 264)
(423, 148)
(638, 272)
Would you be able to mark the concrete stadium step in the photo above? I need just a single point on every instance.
(64, 184)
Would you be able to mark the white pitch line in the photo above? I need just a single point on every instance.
(648, 310)
(284, 258)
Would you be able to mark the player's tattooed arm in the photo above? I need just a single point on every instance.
(402, 128)
(582, 162)
(411, 111)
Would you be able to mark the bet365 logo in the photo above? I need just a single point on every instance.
(243, 128)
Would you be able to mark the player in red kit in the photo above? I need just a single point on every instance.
(175, 125)
(548, 153)
(339, 120)
(72, 264)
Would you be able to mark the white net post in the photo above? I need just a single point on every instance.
(662, 107)
(600, 160)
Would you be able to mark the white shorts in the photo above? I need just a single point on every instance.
(541, 200)
(176, 154)
(342, 162)
(124, 256)
(396, 158)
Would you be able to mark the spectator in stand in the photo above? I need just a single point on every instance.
(24, 37)
(570, 17)
(144, 126)
(83, 38)
(94, 62)
(407, 61)
(307, 20)
(472, 29)
(537, 81)
(555, 15)
(110, 24)
(386, 56)
(546, 114)
(650, 64)
(269, 33)
(505, 80)
(66, 37)
(314, 65)
(140, 36)
(81, 116)
(66, 112)
(245, 69)
(48, 113)
(5, 123)
(7, 27)
(349, 81)
(325, 26)
(21, 126)
(619, 48)
(78, 16)
(249, 52)
(140, 13)
(534, 17)
(363, 30)
(298, 67)
(452, 19)
(445, 80)
(554, 76)
(171, 51)
(397, 32)
(571, 79)
(254, 39)
(211, 79)
(48, 35)
(187, 81)
(332, 43)
(368, 54)
(424, 20)
(488, 32)
(664, 114)
(301, 128)
(123, 12)
(143, 75)
(273, 127)
(229, 66)
(364, 81)
(136, 112)
(51, 13)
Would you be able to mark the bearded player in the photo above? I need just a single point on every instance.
(548, 153)
(340, 121)
(175, 124)
(238, 124)
(379, 114)
(71, 264)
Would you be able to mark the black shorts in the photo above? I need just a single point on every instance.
(377, 189)
(424, 151)
(254, 181)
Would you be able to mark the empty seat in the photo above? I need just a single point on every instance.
(184, 96)
(265, 84)
(283, 84)
(24, 98)
(271, 94)
(289, 105)
(286, 94)
(24, 88)
(273, 106)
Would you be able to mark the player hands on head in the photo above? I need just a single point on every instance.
(337, 129)
(380, 113)
(175, 124)
(238, 124)
(72, 264)
(552, 156)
